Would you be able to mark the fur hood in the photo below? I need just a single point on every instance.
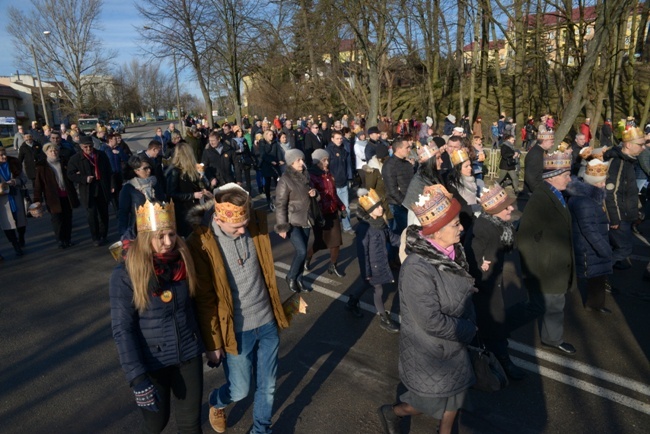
(372, 164)
(577, 188)
(300, 177)
(416, 244)
(201, 214)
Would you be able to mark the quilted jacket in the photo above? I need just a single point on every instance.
(438, 319)
(371, 239)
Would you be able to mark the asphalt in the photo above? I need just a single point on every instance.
(60, 372)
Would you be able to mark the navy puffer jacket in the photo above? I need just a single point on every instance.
(591, 246)
(165, 334)
(372, 235)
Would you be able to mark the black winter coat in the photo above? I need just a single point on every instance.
(508, 161)
(534, 167)
(29, 156)
(312, 142)
(219, 166)
(593, 252)
(79, 169)
(164, 334)
(397, 174)
(269, 154)
(181, 190)
(622, 199)
(339, 163)
(371, 239)
(438, 319)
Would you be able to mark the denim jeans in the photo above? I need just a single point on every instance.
(622, 241)
(400, 218)
(299, 237)
(260, 345)
(342, 193)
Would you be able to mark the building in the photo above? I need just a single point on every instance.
(28, 106)
(494, 47)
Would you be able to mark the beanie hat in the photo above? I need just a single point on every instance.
(318, 155)
(292, 155)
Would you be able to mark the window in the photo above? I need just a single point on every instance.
(4, 104)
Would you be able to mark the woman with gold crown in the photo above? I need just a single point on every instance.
(463, 186)
(154, 324)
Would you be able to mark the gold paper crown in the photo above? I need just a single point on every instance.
(369, 199)
(152, 217)
(229, 212)
(433, 208)
(546, 135)
(562, 147)
(557, 161)
(634, 135)
(597, 168)
(458, 156)
(495, 199)
(426, 151)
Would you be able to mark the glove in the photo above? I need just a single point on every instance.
(146, 395)
(344, 213)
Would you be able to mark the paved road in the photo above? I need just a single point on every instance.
(60, 372)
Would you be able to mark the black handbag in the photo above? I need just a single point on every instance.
(490, 376)
(314, 209)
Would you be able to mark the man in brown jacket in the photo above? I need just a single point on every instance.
(237, 302)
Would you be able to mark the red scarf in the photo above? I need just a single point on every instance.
(92, 158)
(169, 267)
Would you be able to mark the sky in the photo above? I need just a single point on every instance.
(119, 21)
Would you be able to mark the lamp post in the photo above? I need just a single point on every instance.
(40, 83)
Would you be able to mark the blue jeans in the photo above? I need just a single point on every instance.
(622, 241)
(260, 344)
(400, 218)
(342, 193)
(299, 237)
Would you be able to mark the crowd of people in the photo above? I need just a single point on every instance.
(198, 276)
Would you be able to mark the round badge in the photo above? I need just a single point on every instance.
(166, 296)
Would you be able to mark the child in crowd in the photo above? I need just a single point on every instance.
(494, 131)
(372, 237)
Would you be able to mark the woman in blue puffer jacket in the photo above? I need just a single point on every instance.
(154, 325)
(593, 252)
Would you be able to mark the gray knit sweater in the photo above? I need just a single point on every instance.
(252, 305)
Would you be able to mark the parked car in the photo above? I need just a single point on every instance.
(88, 125)
(160, 118)
(117, 126)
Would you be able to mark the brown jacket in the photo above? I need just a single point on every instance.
(214, 303)
(45, 186)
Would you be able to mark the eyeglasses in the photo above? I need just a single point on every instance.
(145, 168)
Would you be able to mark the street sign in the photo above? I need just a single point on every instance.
(7, 120)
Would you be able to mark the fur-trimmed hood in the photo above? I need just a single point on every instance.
(201, 214)
(372, 164)
(577, 188)
(416, 244)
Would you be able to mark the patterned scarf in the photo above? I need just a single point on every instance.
(91, 158)
(169, 267)
(507, 229)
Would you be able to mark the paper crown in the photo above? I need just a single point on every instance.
(495, 199)
(200, 167)
(634, 135)
(595, 171)
(458, 156)
(152, 217)
(229, 212)
(546, 135)
(435, 208)
(556, 163)
(427, 151)
(368, 199)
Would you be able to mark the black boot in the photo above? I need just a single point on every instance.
(11, 236)
(387, 323)
(353, 306)
(21, 235)
(293, 285)
(333, 270)
(513, 371)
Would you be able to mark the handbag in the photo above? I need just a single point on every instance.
(314, 209)
(490, 376)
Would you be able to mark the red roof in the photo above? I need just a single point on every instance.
(492, 45)
(347, 45)
(559, 17)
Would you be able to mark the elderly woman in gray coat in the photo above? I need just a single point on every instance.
(438, 319)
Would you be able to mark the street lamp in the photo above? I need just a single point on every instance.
(178, 95)
(40, 83)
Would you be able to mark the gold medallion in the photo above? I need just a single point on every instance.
(166, 296)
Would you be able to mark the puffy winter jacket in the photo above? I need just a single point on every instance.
(323, 182)
(372, 235)
(622, 199)
(292, 201)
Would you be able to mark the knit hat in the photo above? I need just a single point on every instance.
(634, 135)
(48, 146)
(318, 155)
(546, 135)
(451, 118)
(495, 199)
(373, 130)
(556, 163)
(292, 155)
(382, 151)
(435, 208)
(439, 141)
(458, 156)
(429, 121)
(596, 171)
(459, 129)
(368, 199)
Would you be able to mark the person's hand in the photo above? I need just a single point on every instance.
(281, 163)
(11, 182)
(146, 395)
(198, 195)
(613, 227)
(283, 235)
(213, 183)
(112, 190)
(274, 163)
(215, 357)
(312, 192)
(344, 213)
(207, 194)
(90, 179)
(485, 265)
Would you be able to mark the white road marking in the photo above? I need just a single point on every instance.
(541, 370)
(581, 367)
(312, 276)
(583, 385)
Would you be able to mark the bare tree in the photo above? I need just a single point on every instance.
(66, 46)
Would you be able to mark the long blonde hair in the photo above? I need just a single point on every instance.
(139, 266)
(184, 159)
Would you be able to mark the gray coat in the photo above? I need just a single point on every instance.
(437, 319)
(292, 201)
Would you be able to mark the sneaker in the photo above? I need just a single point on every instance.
(218, 419)
(387, 323)
(389, 420)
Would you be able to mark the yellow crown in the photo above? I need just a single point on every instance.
(546, 135)
(458, 156)
(230, 213)
(634, 135)
(369, 200)
(152, 217)
(596, 168)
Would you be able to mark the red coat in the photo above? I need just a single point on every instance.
(584, 129)
(324, 183)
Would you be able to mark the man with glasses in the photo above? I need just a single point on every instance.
(340, 169)
(622, 199)
(313, 141)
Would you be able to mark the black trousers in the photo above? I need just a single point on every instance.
(98, 217)
(243, 172)
(185, 381)
(62, 222)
